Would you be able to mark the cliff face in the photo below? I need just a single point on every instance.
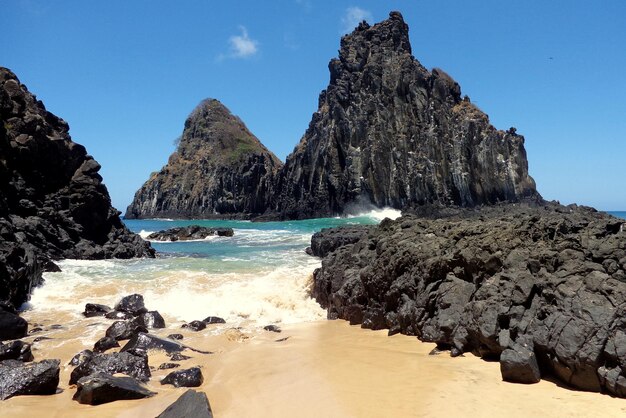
(52, 201)
(220, 169)
(390, 133)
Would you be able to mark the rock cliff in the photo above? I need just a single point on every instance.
(388, 132)
(53, 203)
(219, 170)
(542, 289)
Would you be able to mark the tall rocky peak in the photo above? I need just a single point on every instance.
(53, 203)
(219, 169)
(388, 132)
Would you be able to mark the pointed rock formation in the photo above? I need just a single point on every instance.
(388, 132)
(53, 203)
(219, 170)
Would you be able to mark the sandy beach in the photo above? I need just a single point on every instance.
(324, 368)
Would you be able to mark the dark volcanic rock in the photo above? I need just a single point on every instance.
(124, 330)
(133, 304)
(272, 328)
(81, 357)
(186, 233)
(189, 378)
(145, 342)
(167, 366)
(179, 357)
(95, 309)
(102, 388)
(190, 404)
(12, 326)
(388, 132)
(195, 325)
(151, 319)
(550, 278)
(119, 315)
(213, 320)
(175, 336)
(17, 378)
(519, 365)
(127, 363)
(329, 239)
(16, 350)
(236, 171)
(53, 203)
(104, 344)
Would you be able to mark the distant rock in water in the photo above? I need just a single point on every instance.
(187, 233)
(219, 170)
(388, 132)
(53, 203)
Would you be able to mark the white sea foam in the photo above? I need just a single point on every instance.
(260, 297)
(379, 214)
(144, 234)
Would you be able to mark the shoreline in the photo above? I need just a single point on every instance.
(326, 368)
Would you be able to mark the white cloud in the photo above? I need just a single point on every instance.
(242, 46)
(352, 18)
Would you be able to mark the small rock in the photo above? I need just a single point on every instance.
(189, 378)
(35, 330)
(189, 404)
(280, 340)
(175, 336)
(145, 342)
(214, 320)
(42, 338)
(195, 325)
(179, 357)
(272, 328)
(94, 309)
(166, 366)
(101, 388)
(81, 357)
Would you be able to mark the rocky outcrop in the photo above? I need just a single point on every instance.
(541, 288)
(53, 203)
(189, 404)
(329, 239)
(388, 132)
(219, 170)
(100, 388)
(187, 233)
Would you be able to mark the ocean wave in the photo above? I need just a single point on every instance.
(378, 214)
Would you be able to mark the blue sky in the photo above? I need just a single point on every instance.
(125, 75)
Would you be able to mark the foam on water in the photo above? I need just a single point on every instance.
(259, 276)
(379, 214)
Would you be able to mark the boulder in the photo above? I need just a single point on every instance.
(12, 326)
(189, 378)
(151, 319)
(124, 330)
(16, 350)
(37, 378)
(100, 388)
(145, 342)
(123, 362)
(95, 309)
(519, 365)
(81, 357)
(132, 304)
(272, 328)
(104, 344)
(329, 239)
(189, 404)
(119, 315)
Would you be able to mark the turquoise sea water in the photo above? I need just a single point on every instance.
(619, 214)
(260, 275)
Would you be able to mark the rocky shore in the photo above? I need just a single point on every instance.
(53, 203)
(193, 232)
(541, 288)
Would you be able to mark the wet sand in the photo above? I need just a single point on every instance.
(324, 368)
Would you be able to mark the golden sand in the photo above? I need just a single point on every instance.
(322, 369)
